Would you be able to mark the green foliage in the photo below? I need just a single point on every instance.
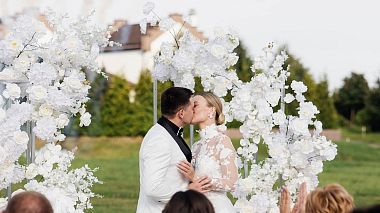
(350, 98)
(116, 108)
(356, 167)
(243, 65)
(96, 94)
(370, 115)
(325, 104)
(142, 108)
(299, 73)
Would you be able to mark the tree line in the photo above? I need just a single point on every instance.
(119, 108)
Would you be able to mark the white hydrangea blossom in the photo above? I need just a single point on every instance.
(49, 61)
(67, 190)
(296, 153)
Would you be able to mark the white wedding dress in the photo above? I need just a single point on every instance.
(214, 156)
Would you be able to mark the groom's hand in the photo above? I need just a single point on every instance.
(187, 170)
(202, 184)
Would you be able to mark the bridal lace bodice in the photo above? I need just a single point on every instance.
(215, 157)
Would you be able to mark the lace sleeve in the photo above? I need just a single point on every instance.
(226, 155)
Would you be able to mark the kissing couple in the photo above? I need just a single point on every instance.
(168, 165)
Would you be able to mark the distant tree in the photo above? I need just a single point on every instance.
(96, 94)
(142, 110)
(243, 65)
(143, 106)
(370, 115)
(99, 85)
(325, 104)
(350, 98)
(117, 110)
(299, 73)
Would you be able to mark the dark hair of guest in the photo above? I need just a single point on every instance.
(372, 209)
(29, 202)
(173, 99)
(189, 201)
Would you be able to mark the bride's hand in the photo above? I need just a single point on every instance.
(187, 170)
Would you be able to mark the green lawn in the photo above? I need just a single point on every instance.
(357, 167)
(355, 134)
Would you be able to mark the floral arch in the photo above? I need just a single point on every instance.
(296, 154)
(43, 68)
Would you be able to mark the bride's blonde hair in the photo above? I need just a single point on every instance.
(214, 101)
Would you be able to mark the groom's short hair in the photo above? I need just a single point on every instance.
(173, 99)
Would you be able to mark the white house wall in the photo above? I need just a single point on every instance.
(124, 63)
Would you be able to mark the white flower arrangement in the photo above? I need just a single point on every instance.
(50, 62)
(296, 154)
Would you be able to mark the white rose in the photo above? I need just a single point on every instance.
(272, 97)
(7, 74)
(3, 114)
(61, 137)
(252, 148)
(279, 117)
(12, 91)
(45, 110)
(298, 87)
(329, 153)
(61, 73)
(300, 97)
(317, 125)
(299, 126)
(306, 147)
(31, 171)
(288, 98)
(298, 160)
(218, 51)
(21, 138)
(62, 120)
(232, 59)
(308, 110)
(85, 119)
(73, 82)
(316, 167)
(37, 93)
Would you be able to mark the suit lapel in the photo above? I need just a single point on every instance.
(180, 142)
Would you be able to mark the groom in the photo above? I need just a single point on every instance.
(162, 149)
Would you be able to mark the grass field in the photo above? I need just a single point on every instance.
(357, 167)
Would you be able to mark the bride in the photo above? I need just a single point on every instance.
(213, 155)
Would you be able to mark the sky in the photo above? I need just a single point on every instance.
(332, 37)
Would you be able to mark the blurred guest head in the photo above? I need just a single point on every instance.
(332, 198)
(29, 202)
(373, 209)
(189, 202)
